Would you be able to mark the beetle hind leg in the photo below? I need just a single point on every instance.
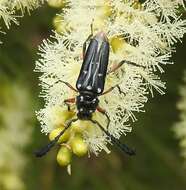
(117, 66)
(119, 89)
(85, 45)
(89, 37)
(112, 88)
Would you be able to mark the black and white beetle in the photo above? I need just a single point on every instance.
(90, 85)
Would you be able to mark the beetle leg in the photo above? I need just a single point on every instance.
(112, 88)
(67, 84)
(103, 111)
(119, 89)
(68, 102)
(115, 67)
(109, 90)
(89, 37)
(85, 45)
(91, 27)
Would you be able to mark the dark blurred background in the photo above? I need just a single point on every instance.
(157, 165)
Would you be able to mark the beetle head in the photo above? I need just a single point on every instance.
(86, 105)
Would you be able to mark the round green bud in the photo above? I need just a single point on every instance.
(64, 156)
(79, 147)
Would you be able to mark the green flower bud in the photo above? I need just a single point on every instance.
(64, 156)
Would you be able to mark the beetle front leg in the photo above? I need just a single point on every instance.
(68, 102)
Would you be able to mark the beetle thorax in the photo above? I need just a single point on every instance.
(86, 105)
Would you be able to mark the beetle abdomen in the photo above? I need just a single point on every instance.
(94, 68)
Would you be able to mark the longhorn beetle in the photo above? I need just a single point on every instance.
(90, 85)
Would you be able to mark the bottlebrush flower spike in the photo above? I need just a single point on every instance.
(180, 127)
(143, 33)
(15, 134)
(8, 9)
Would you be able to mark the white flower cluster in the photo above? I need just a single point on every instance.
(143, 33)
(8, 9)
(15, 135)
(180, 127)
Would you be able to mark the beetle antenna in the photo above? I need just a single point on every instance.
(47, 148)
(115, 141)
